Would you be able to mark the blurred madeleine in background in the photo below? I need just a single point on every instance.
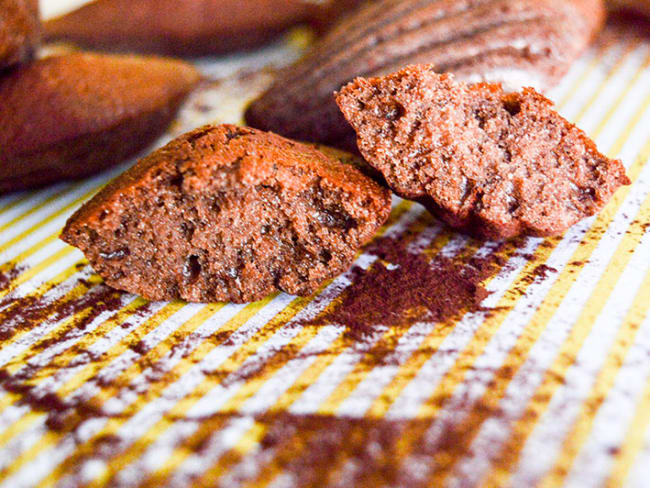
(636, 6)
(188, 27)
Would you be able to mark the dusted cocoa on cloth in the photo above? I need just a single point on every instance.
(401, 288)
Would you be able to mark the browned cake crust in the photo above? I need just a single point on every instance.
(324, 15)
(634, 6)
(19, 31)
(228, 214)
(518, 42)
(188, 27)
(487, 162)
(70, 116)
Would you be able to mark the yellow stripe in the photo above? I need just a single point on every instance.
(27, 420)
(45, 221)
(74, 293)
(521, 429)
(200, 437)
(25, 255)
(19, 258)
(591, 67)
(32, 210)
(247, 443)
(577, 436)
(625, 135)
(51, 438)
(18, 362)
(390, 337)
(622, 59)
(178, 371)
(189, 446)
(14, 203)
(292, 447)
(619, 100)
(184, 404)
(633, 442)
(150, 357)
(33, 271)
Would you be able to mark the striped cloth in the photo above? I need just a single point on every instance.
(551, 388)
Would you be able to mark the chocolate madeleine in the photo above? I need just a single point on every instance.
(19, 31)
(70, 116)
(531, 42)
(228, 214)
(633, 6)
(188, 27)
(486, 162)
(324, 15)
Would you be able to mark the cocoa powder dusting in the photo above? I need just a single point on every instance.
(402, 288)
(79, 303)
(8, 273)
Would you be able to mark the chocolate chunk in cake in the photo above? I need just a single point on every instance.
(187, 27)
(487, 162)
(19, 31)
(517, 42)
(228, 214)
(67, 117)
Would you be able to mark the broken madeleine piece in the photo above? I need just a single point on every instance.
(226, 213)
(486, 162)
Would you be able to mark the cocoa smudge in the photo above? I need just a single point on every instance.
(543, 271)
(57, 409)
(9, 272)
(325, 450)
(23, 313)
(402, 288)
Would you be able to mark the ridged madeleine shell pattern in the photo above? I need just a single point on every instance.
(520, 42)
